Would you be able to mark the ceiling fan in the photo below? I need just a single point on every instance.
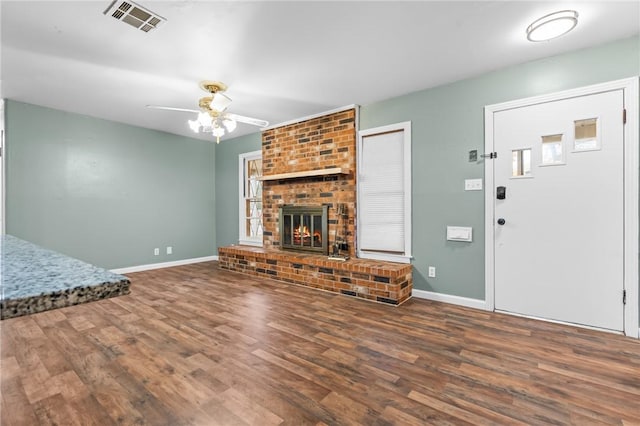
(212, 116)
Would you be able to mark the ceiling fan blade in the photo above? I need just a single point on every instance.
(247, 120)
(172, 108)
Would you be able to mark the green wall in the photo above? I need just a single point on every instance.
(105, 192)
(227, 185)
(447, 122)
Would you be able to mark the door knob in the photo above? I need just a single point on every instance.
(501, 221)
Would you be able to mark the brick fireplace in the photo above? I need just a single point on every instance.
(312, 163)
(322, 144)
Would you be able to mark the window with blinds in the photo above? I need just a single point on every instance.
(384, 193)
(250, 209)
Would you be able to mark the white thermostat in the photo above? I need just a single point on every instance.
(460, 233)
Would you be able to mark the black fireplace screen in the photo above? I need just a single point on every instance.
(304, 228)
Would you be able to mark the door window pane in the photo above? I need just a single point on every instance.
(552, 150)
(521, 162)
(586, 135)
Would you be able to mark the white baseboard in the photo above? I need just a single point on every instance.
(151, 266)
(448, 298)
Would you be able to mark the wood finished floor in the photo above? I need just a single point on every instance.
(194, 345)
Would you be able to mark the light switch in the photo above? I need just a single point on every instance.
(473, 184)
(460, 233)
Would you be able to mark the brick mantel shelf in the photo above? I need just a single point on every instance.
(306, 173)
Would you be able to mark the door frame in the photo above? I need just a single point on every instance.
(630, 87)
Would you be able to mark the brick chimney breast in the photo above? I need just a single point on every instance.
(319, 143)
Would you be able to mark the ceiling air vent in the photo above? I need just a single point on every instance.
(134, 15)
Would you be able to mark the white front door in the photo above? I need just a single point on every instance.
(559, 228)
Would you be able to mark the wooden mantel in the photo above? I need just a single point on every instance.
(307, 173)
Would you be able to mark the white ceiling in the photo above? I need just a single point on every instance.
(281, 60)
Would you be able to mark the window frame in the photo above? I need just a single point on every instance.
(243, 238)
(406, 256)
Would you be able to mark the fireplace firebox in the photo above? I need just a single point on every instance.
(304, 228)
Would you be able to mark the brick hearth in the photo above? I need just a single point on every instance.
(316, 145)
(384, 282)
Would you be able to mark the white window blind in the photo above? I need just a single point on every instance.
(384, 193)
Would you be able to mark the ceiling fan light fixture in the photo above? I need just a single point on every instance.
(211, 117)
(229, 124)
(552, 25)
(217, 131)
(204, 118)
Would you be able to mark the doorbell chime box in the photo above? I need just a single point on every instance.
(460, 233)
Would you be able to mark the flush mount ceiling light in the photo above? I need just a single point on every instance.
(552, 25)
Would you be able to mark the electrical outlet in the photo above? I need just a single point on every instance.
(169, 250)
(156, 252)
(432, 271)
